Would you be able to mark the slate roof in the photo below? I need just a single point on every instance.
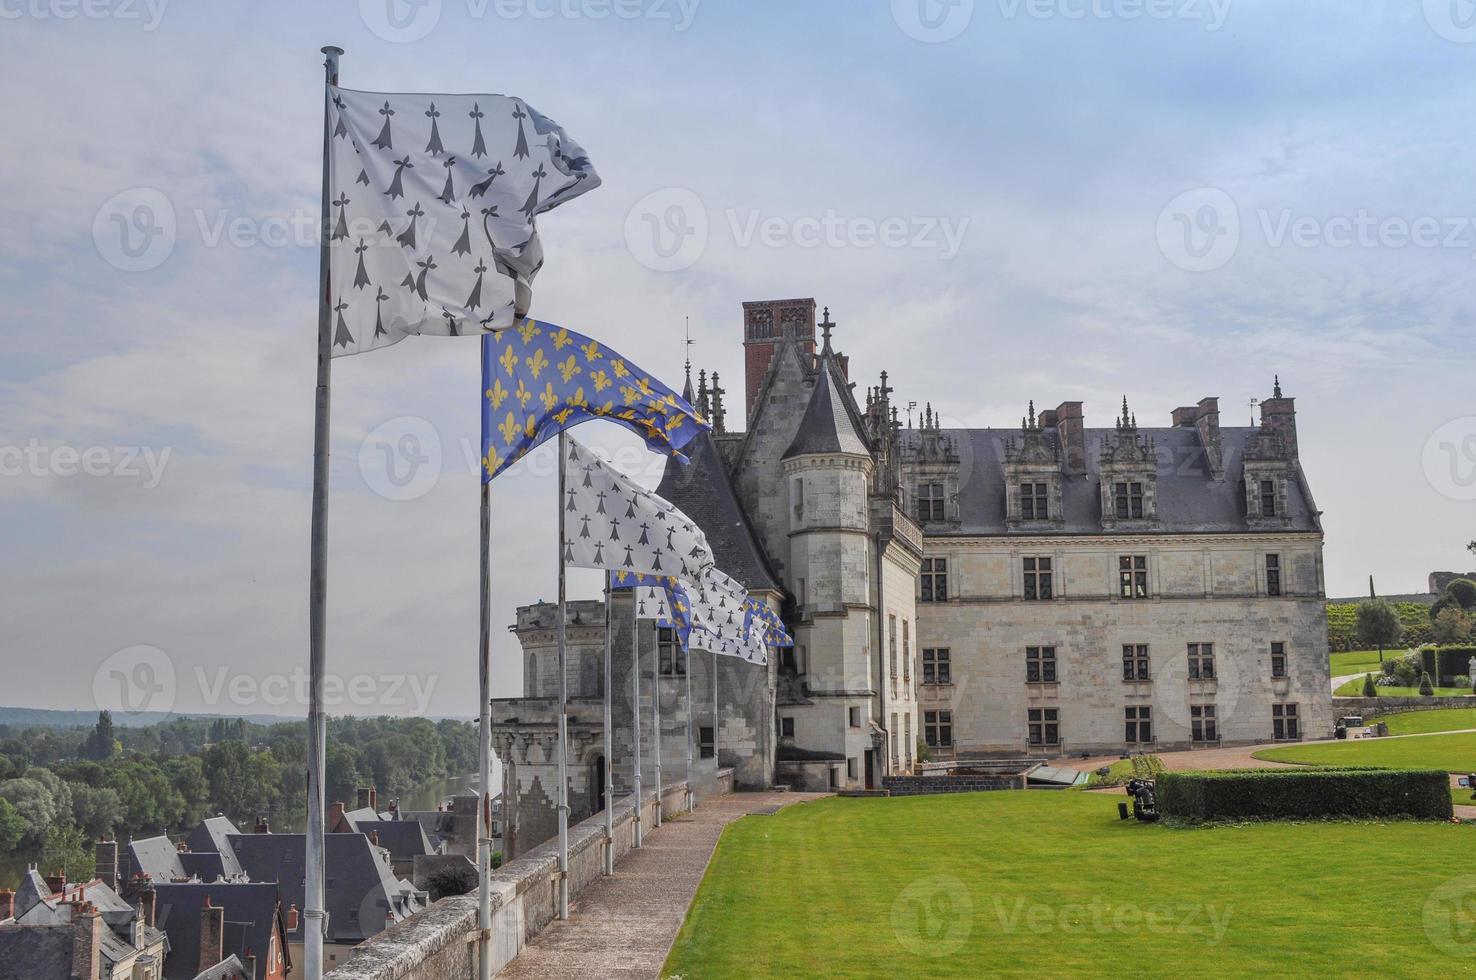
(1188, 500)
(211, 836)
(250, 917)
(701, 490)
(158, 858)
(828, 425)
(229, 968)
(35, 952)
(402, 838)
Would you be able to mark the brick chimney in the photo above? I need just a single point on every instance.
(57, 883)
(147, 903)
(105, 855)
(1071, 428)
(262, 826)
(335, 817)
(374, 799)
(1280, 414)
(248, 960)
(1207, 421)
(292, 918)
(765, 324)
(212, 935)
(7, 904)
(87, 929)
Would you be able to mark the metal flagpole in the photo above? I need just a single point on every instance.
(714, 713)
(635, 711)
(314, 920)
(484, 670)
(655, 711)
(688, 654)
(563, 795)
(609, 767)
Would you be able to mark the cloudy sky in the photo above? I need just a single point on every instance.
(999, 200)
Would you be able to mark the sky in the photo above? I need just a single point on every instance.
(998, 200)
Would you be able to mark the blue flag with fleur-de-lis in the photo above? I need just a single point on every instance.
(540, 379)
(659, 597)
(765, 623)
(434, 200)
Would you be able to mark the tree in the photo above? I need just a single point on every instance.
(1378, 624)
(35, 805)
(1451, 626)
(1369, 690)
(96, 811)
(451, 879)
(101, 744)
(12, 827)
(1463, 591)
(67, 850)
(1426, 688)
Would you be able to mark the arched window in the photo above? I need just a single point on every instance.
(530, 677)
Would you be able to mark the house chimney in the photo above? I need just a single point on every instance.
(248, 960)
(335, 817)
(1280, 414)
(1071, 430)
(7, 904)
(147, 901)
(361, 797)
(212, 935)
(57, 883)
(105, 855)
(292, 918)
(263, 826)
(1207, 421)
(1184, 416)
(87, 928)
(374, 837)
(374, 799)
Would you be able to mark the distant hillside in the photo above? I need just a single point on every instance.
(48, 718)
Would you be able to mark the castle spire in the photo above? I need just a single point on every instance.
(1276, 388)
(717, 394)
(825, 327)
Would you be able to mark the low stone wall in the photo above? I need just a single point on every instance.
(433, 945)
(1373, 707)
(924, 785)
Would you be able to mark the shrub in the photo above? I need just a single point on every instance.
(1427, 689)
(1369, 691)
(1276, 794)
(1463, 591)
(1460, 680)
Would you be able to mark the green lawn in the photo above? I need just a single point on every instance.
(1053, 884)
(1461, 796)
(1354, 689)
(1453, 753)
(1366, 661)
(1434, 720)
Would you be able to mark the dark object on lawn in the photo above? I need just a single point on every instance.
(1305, 793)
(1145, 801)
(1104, 771)
(1340, 732)
(1122, 810)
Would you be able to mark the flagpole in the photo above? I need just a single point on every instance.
(484, 672)
(609, 766)
(314, 920)
(563, 794)
(635, 711)
(655, 711)
(714, 714)
(688, 654)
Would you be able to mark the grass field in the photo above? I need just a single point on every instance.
(1453, 753)
(1435, 720)
(1354, 689)
(1366, 661)
(1050, 884)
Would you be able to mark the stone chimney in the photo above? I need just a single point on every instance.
(1207, 421)
(263, 826)
(87, 929)
(374, 799)
(7, 904)
(292, 918)
(147, 903)
(361, 797)
(57, 883)
(335, 816)
(1280, 414)
(374, 837)
(105, 854)
(1184, 416)
(212, 935)
(1071, 429)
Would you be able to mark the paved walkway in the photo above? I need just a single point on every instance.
(623, 927)
(1338, 682)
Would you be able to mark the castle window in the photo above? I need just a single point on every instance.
(1139, 723)
(1037, 578)
(1278, 660)
(934, 580)
(1202, 726)
(789, 660)
(1132, 575)
(1268, 498)
(1128, 498)
(854, 716)
(1044, 726)
(704, 742)
(531, 680)
(786, 728)
(938, 728)
(1284, 723)
(907, 745)
(1034, 499)
(851, 768)
(895, 740)
(799, 499)
(892, 648)
(1273, 575)
(937, 667)
(1135, 661)
(929, 502)
(1201, 661)
(669, 652)
(906, 653)
(1040, 665)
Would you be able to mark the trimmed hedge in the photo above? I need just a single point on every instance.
(1447, 662)
(1304, 794)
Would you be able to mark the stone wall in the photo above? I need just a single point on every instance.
(434, 944)
(972, 783)
(1373, 707)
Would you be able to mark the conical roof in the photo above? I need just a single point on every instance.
(828, 425)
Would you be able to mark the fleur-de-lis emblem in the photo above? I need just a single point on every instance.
(579, 401)
(592, 351)
(601, 381)
(536, 363)
(523, 395)
(530, 426)
(563, 417)
(491, 461)
(497, 394)
(529, 329)
(570, 368)
(605, 409)
(561, 339)
(618, 366)
(509, 361)
(548, 398)
(509, 428)
(632, 395)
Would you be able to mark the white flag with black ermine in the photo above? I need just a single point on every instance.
(718, 606)
(433, 205)
(612, 522)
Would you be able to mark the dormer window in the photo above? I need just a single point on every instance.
(1035, 502)
(929, 502)
(1268, 498)
(1128, 497)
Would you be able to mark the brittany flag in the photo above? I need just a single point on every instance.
(434, 200)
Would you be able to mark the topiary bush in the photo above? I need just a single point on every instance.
(1427, 690)
(1369, 690)
(1463, 591)
(1304, 794)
